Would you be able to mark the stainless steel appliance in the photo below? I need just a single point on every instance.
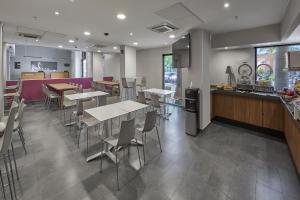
(192, 111)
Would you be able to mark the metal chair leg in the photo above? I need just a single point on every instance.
(8, 178)
(22, 140)
(158, 139)
(87, 140)
(12, 174)
(15, 163)
(144, 149)
(2, 185)
(137, 147)
(117, 170)
(101, 157)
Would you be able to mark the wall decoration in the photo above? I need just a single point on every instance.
(43, 66)
(17, 65)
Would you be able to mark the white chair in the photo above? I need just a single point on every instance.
(87, 121)
(150, 124)
(68, 104)
(142, 84)
(126, 88)
(124, 139)
(50, 96)
(5, 142)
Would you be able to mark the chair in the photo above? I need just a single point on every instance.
(110, 79)
(124, 139)
(79, 88)
(5, 142)
(68, 104)
(142, 98)
(150, 124)
(126, 88)
(86, 120)
(142, 84)
(50, 96)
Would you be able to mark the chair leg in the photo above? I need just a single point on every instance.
(2, 185)
(12, 174)
(117, 166)
(101, 157)
(22, 139)
(87, 140)
(15, 163)
(144, 149)
(158, 139)
(8, 177)
(137, 147)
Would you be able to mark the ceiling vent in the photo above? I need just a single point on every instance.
(163, 28)
(28, 35)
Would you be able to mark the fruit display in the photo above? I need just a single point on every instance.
(287, 94)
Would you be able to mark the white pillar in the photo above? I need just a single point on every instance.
(89, 64)
(98, 66)
(127, 62)
(76, 64)
(2, 82)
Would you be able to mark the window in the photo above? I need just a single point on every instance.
(271, 65)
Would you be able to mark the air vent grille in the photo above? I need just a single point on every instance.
(28, 35)
(163, 28)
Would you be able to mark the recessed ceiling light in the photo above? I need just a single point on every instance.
(60, 46)
(115, 47)
(226, 48)
(135, 43)
(131, 34)
(56, 13)
(183, 37)
(86, 33)
(36, 40)
(72, 1)
(172, 36)
(121, 16)
(99, 51)
(71, 41)
(226, 5)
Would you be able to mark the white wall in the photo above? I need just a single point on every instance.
(149, 64)
(26, 54)
(220, 59)
(98, 66)
(291, 19)
(112, 65)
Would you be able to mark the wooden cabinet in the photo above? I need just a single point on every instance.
(273, 115)
(222, 106)
(247, 110)
(292, 134)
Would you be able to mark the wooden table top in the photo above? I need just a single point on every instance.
(112, 83)
(62, 86)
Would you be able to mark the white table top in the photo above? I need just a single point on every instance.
(114, 110)
(159, 91)
(85, 95)
(130, 106)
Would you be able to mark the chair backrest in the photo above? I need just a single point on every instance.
(150, 121)
(127, 133)
(141, 97)
(80, 88)
(108, 78)
(19, 108)
(155, 100)
(68, 92)
(7, 136)
(144, 81)
(124, 83)
(22, 107)
(17, 97)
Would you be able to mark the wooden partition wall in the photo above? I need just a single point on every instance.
(32, 75)
(56, 75)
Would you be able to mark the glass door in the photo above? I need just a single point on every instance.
(172, 80)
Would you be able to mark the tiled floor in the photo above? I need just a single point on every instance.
(223, 162)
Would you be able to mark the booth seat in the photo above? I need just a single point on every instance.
(32, 90)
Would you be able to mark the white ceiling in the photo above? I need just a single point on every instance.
(99, 16)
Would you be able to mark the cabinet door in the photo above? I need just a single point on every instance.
(222, 106)
(273, 115)
(248, 110)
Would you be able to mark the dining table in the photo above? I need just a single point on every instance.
(60, 88)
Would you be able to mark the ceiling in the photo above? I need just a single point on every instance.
(99, 16)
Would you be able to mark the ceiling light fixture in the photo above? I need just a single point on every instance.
(226, 5)
(172, 36)
(71, 41)
(72, 1)
(131, 34)
(135, 43)
(86, 33)
(115, 47)
(60, 46)
(121, 16)
(36, 40)
(226, 48)
(56, 13)
(99, 51)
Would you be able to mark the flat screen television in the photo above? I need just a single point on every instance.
(181, 51)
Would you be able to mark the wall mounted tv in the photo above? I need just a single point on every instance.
(181, 51)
